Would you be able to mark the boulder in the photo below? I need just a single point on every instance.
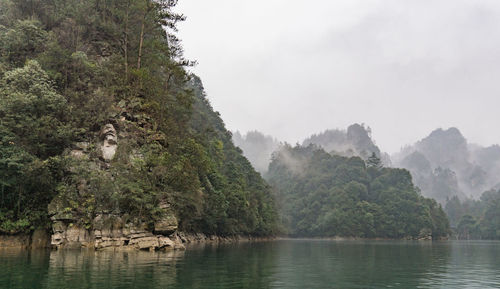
(165, 243)
(150, 243)
(166, 226)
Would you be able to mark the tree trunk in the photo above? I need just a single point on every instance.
(141, 42)
(19, 194)
(126, 41)
(3, 189)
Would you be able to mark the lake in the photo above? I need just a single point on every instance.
(272, 264)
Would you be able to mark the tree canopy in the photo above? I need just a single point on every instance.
(70, 67)
(328, 195)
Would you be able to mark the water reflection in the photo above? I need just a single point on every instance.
(357, 264)
(472, 264)
(278, 264)
(107, 269)
(244, 265)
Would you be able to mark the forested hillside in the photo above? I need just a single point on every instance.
(475, 219)
(98, 114)
(329, 195)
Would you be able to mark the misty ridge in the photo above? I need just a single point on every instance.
(442, 165)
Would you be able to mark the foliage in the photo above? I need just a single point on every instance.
(476, 219)
(328, 195)
(69, 67)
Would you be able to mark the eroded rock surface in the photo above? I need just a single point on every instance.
(109, 142)
(111, 232)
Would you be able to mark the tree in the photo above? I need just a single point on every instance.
(374, 161)
(33, 131)
(467, 227)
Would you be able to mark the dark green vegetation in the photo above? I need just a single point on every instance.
(68, 68)
(328, 195)
(476, 219)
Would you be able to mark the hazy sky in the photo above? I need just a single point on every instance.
(292, 68)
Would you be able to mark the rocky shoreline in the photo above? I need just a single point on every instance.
(77, 238)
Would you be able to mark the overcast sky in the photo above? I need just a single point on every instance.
(291, 68)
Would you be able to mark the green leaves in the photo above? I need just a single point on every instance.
(23, 41)
(338, 196)
(74, 70)
(33, 112)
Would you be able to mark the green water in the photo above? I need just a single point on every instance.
(275, 264)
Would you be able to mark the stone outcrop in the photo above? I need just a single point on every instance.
(111, 232)
(15, 241)
(80, 150)
(108, 231)
(109, 142)
(168, 224)
(38, 239)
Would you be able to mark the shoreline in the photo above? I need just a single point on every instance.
(41, 239)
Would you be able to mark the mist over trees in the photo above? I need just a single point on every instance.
(257, 148)
(475, 219)
(322, 194)
(444, 165)
(355, 141)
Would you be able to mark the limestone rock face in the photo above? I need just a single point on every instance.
(14, 241)
(111, 232)
(109, 142)
(80, 150)
(425, 234)
(58, 211)
(166, 243)
(167, 225)
(40, 239)
(70, 236)
(150, 243)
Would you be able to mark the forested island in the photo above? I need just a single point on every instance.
(323, 195)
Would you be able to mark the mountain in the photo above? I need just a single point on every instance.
(104, 132)
(355, 141)
(444, 164)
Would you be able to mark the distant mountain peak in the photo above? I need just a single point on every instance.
(446, 150)
(355, 141)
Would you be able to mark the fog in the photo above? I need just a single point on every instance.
(293, 68)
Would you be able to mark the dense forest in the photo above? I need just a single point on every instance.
(98, 113)
(322, 194)
(475, 219)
